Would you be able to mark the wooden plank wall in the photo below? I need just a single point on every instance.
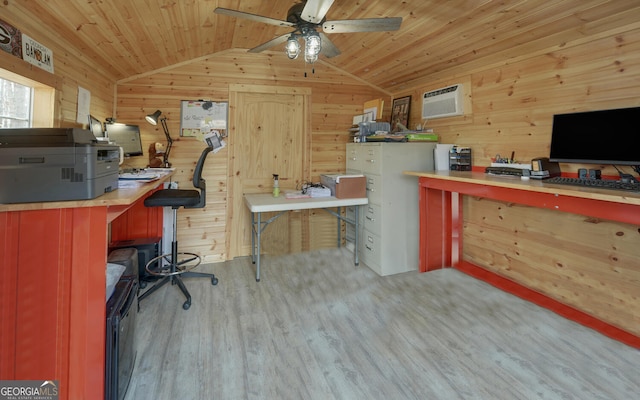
(336, 97)
(593, 265)
(72, 69)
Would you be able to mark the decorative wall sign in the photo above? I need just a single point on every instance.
(10, 39)
(37, 54)
(199, 117)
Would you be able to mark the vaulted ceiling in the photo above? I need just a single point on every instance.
(436, 37)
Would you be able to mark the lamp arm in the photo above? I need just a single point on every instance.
(163, 121)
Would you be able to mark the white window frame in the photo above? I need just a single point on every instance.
(43, 99)
(29, 119)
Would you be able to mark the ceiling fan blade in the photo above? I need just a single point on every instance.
(328, 48)
(315, 10)
(362, 25)
(252, 17)
(273, 42)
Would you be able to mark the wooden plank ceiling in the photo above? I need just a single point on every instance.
(134, 37)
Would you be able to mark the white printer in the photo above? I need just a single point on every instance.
(55, 164)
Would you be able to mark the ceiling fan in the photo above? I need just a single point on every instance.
(306, 17)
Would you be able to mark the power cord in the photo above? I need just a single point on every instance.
(307, 185)
(624, 177)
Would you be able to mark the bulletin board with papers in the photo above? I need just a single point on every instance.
(200, 117)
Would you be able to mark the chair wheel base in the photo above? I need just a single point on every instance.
(173, 267)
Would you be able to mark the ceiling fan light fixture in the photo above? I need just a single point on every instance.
(292, 49)
(313, 44)
(310, 58)
(305, 17)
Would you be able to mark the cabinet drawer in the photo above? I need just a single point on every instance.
(373, 218)
(354, 158)
(371, 159)
(371, 250)
(374, 188)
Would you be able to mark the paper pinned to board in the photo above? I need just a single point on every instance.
(215, 141)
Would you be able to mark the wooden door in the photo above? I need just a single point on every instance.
(269, 134)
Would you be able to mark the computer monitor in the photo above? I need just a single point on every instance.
(95, 126)
(596, 137)
(125, 136)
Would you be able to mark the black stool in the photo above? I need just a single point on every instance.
(174, 266)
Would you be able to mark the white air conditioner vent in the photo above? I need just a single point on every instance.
(445, 102)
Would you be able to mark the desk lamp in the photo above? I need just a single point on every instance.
(153, 120)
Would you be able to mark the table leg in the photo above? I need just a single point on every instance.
(258, 234)
(348, 221)
(356, 261)
(257, 228)
(339, 223)
(253, 240)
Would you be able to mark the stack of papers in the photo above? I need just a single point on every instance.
(319, 192)
(297, 195)
(139, 176)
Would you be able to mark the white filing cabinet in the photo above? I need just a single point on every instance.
(390, 222)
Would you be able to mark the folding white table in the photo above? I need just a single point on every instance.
(265, 202)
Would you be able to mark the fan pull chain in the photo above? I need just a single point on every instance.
(313, 69)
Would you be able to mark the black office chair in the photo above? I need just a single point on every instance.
(174, 266)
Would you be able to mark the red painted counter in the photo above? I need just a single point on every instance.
(52, 286)
(440, 199)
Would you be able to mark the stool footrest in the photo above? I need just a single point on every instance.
(164, 265)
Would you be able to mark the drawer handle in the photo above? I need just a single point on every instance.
(370, 219)
(371, 161)
(369, 238)
(368, 248)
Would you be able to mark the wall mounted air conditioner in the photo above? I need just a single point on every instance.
(444, 102)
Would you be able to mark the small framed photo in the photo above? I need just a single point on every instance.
(400, 114)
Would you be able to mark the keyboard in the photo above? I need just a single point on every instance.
(504, 171)
(596, 183)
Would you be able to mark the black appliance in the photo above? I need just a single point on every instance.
(148, 249)
(120, 355)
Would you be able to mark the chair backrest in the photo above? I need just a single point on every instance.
(198, 182)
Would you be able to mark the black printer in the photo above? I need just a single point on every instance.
(55, 164)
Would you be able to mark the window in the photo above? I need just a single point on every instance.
(27, 101)
(16, 105)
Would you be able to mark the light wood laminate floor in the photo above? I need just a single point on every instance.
(317, 327)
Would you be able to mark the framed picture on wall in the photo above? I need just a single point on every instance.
(400, 114)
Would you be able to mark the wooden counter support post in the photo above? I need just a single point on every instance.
(435, 228)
